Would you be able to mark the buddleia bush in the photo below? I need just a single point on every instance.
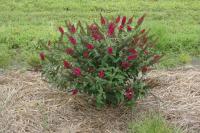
(105, 61)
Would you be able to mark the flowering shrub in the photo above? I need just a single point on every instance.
(106, 61)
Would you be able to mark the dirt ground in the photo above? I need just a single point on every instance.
(28, 104)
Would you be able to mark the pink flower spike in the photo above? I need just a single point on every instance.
(129, 28)
(140, 20)
(69, 51)
(117, 19)
(142, 31)
(90, 46)
(101, 74)
(66, 64)
(132, 57)
(120, 28)
(61, 30)
(129, 94)
(125, 65)
(74, 91)
(97, 37)
(72, 40)
(130, 20)
(42, 56)
(103, 20)
(110, 50)
(132, 51)
(72, 29)
(123, 20)
(111, 29)
(86, 54)
(77, 71)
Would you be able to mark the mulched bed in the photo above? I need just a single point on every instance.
(28, 104)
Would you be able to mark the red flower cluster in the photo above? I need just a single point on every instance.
(117, 19)
(74, 91)
(129, 28)
(101, 74)
(69, 51)
(140, 20)
(129, 93)
(103, 20)
(42, 56)
(66, 64)
(77, 71)
(111, 29)
(85, 54)
(125, 65)
(134, 54)
(90, 46)
(123, 20)
(130, 20)
(72, 40)
(110, 50)
(95, 32)
(61, 30)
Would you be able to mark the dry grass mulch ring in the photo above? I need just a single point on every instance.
(28, 104)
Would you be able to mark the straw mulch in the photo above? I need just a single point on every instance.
(28, 104)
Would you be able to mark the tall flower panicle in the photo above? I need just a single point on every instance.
(133, 51)
(72, 29)
(66, 64)
(77, 71)
(103, 20)
(132, 57)
(69, 51)
(130, 20)
(97, 37)
(125, 65)
(129, 93)
(42, 56)
(93, 28)
(85, 54)
(123, 20)
(61, 30)
(111, 29)
(90, 46)
(140, 20)
(110, 50)
(120, 28)
(72, 40)
(129, 28)
(101, 74)
(117, 19)
(142, 31)
(74, 91)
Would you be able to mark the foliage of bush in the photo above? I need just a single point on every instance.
(106, 61)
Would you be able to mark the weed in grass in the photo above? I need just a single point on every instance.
(152, 123)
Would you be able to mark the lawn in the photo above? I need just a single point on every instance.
(26, 25)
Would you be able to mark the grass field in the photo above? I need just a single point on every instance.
(26, 25)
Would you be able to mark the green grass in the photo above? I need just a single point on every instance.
(26, 24)
(152, 123)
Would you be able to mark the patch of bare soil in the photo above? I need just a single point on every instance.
(28, 104)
